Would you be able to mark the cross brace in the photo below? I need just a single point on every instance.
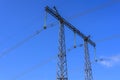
(55, 14)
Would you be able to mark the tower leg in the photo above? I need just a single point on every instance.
(62, 63)
(88, 69)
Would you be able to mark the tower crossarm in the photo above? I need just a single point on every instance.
(55, 14)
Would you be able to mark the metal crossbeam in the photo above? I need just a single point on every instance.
(62, 63)
(55, 14)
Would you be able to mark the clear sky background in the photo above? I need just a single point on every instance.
(21, 18)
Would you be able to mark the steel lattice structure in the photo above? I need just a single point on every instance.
(62, 62)
(87, 64)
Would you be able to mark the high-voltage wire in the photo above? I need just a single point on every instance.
(98, 41)
(23, 41)
(34, 67)
(55, 23)
(107, 4)
(108, 38)
(54, 57)
(20, 43)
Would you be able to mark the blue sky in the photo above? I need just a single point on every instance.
(21, 18)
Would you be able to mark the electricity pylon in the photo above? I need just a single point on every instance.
(62, 62)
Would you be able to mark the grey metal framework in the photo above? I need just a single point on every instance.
(62, 63)
(87, 69)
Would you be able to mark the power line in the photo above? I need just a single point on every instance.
(54, 57)
(50, 25)
(107, 4)
(20, 43)
(98, 41)
(25, 40)
(55, 23)
(34, 67)
(108, 38)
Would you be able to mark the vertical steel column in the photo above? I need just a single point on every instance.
(88, 69)
(62, 62)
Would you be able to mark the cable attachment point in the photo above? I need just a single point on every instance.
(95, 57)
(75, 40)
(45, 20)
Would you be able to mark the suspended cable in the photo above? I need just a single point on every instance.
(25, 40)
(107, 4)
(98, 41)
(49, 60)
(22, 42)
(54, 23)
(34, 67)
(80, 45)
(102, 40)
(108, 38)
